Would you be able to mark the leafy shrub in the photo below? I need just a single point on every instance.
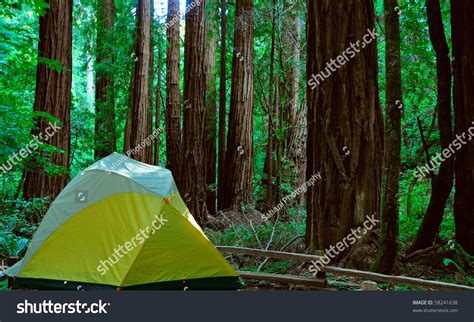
(12, 245)
(20, 216)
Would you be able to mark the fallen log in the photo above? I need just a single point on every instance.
(268, 253)
(284, 279)
(424, 251)
(401, 280)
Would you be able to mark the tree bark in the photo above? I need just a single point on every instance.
(222, 108)
(140, 98)
(239, 153)
(53, 96)
(442, 184)
(291, 53)
(151, 77)
(272, 141)
(344, 114)
(194, 168)
(128, 120)
(173, 94)
(388, 241)
(211, 105)
(105, 135)
(156, 160)
(462, 16)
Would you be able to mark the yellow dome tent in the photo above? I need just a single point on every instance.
(121, 224)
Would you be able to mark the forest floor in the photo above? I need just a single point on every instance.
(429, 267)
(248, 230)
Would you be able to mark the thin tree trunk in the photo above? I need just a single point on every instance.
(157, 108)
(388, 243)
(291, 54)
(194, 168)
(140, 99)
(105, 135)
(53, 96)
(211, 105)
(462, 16)
(128, 120)
(173, 94)
(149, 149)
(271, 142)
(239, 153)
(344, 114)
(222, 108)
(442, 183)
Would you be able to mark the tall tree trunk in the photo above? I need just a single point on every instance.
(344, 114)
(462, 15)
(294, 145)
(53, 96)
(156, 160)
(239, 153)
(291, 58)
(211, 104)
(194, 168)
(105, 135)
(442, 184)
(222, 108)
(140, 99)
(149, 149)
(271, 137)
(388, 247)
(173, 94)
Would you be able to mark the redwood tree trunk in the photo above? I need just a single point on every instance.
(291, 53)
(156, 159)
(211, 105)
(53, 96)
(291, 59)
(140, 99)
(105, 135)
(442, 184)
(271, 138)
(149, 149)
(173, 94)
(194, 168)
(222, 108)
(388, 247)
(462, 15)
(239, 153)
(344, 114)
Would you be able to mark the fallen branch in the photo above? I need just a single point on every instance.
(281, 250)
(425, 250)
(284, 279)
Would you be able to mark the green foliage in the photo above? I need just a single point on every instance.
(462, 260)
(12, 245)
(17, 216)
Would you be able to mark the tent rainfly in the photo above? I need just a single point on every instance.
(121, 224)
